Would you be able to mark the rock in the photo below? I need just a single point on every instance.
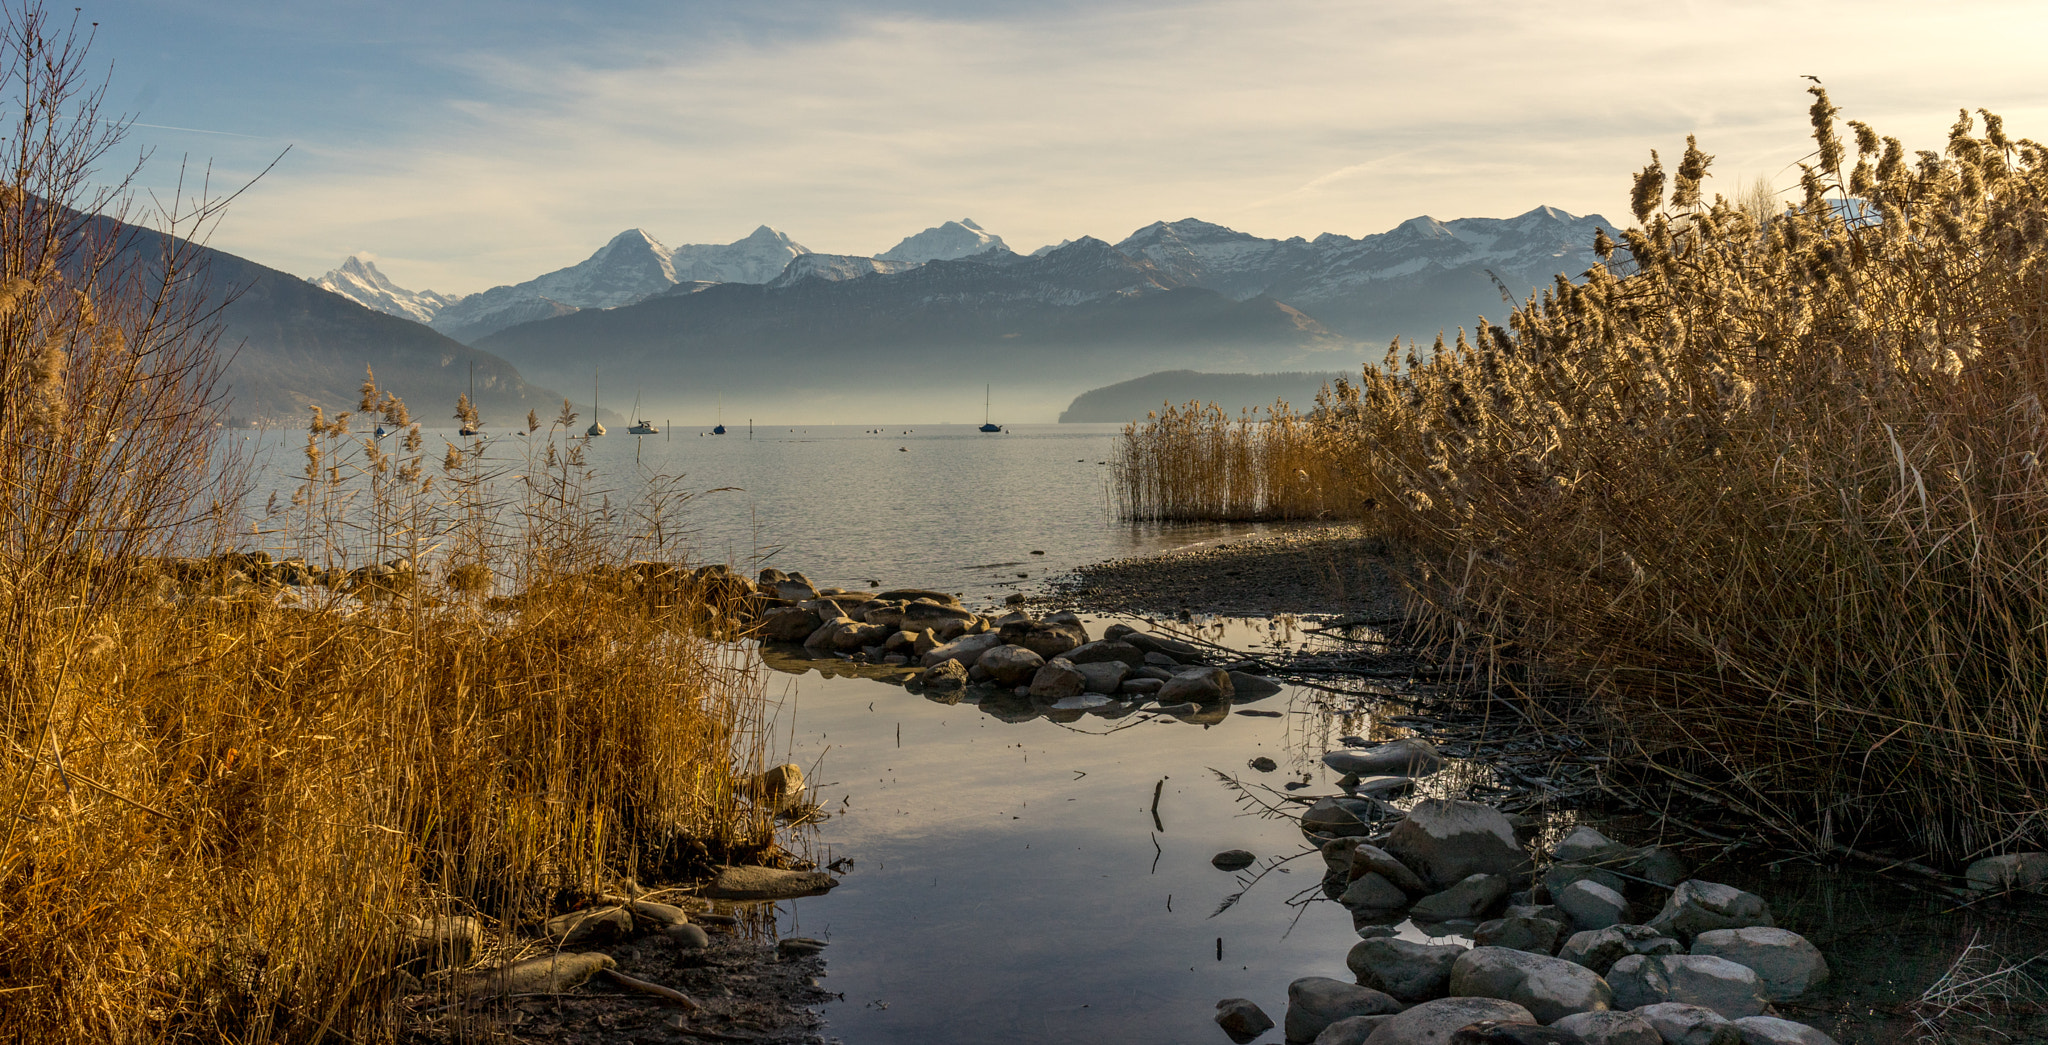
(1599, 949)
(1550, 988)
(550, 974)
(1661, 866)
(1371, 892)
(1330, 817)
(1315, 1002)
(1409, 756)
(1247, 686)
(967, 649)
(825, 635)
(1233, 859)
(1680, 1024)
(787, 624)
(1433, 1022)
(1558, 877)
(909, 595)
(1468, 900)
(1336, 855)
(1491, 1032)
(945, 675)
(766, 883)
(1522, 933)
(1044, 638)
(1104, 650)
(1587, 846)
(1610, 1028)
(1141, 687)
(1592, 905)
(1154, 673)
(1696, 907)
(1181, 652)
(798, 947)
(1196, 686)
(2009, 873)
(1732, 990)
(1372, 858)
(439, 942)
(1161, 660)
(686, 937)
(596, 925)
(1380, 786)
(1787, 964)
(1261, 763)
(924, 613)
(1010, 665)
(1242, 1019)
(1058, 680)
(884, 614)
(1351, 1030)
(1409, 972)
(1770, 1030)
(1447, 840)
(1103, 676)
(794, 591)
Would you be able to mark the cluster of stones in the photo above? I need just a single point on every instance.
(1607, 944)
(1051, 658)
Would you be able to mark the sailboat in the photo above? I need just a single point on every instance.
(642, 426)
(469, 427)
(596, 427)
(985, 425)
(720, 429)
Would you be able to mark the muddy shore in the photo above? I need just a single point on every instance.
(1331, 569)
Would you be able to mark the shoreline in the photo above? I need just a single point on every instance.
(1328, 569)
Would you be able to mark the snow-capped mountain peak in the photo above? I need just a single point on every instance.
(758, 257)
(947, 242)
(359, 281)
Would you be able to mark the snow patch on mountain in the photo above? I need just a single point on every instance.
(835, 267)
(948, 242)
(359, 281)
(759, 258)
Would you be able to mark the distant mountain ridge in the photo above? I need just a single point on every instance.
(1128, 401)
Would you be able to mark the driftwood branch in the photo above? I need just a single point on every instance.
(659, 991)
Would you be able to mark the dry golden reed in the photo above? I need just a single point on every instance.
(228, 778)
(1765, 487)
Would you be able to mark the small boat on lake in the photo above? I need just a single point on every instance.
(641, 426)
(465, 412)
(596, 427)
(720, 428)
(986, 426)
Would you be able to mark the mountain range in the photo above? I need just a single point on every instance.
(765, 319)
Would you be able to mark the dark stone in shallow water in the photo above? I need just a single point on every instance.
(1232, 860)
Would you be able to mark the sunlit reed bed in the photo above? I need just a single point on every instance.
(1764, 489)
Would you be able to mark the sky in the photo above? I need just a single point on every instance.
(462, 144)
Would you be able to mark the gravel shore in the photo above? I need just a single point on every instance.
(1336, 569)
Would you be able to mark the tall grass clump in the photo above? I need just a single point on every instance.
(233, 778)
(1196, 462)
(1768, 487)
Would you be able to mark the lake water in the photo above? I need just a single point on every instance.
(1008, 880)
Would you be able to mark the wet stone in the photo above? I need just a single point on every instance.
(1490, 1032)
(1599, 949)
(1732, 990)
(1610, 1028)
(1681, 1024)
(1592, 905)
(1550, 988)
(1770, 1030)
(1435, 1021)
(1233, 860)
(1788, 965)
(1470, 899)
(1696, 907)
(1351, 1030)
(2011, 872)
(1521, 933)
(1408, 971)
(1261, 763)
(1315, 1002)
(1446, 840)
(1242, 1019)
(1410, 756)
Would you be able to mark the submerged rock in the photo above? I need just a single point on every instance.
(2012, 872)
(1242, 1019)
(1409, 756)
(1233, 859)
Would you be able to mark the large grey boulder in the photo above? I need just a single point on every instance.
(1696, 907)
(1783, 959)
(966, 649)
(1351, 1030)
(1681, 1024)
(1770, 1030)
(1372, 892)
(1196, 686)
(787, 624)
(2013, 872)
(1599, 949)
(1470, 899)
(1586, 845)
(1521, 932)
(1410, 972)
(766, 883)
(1315, 1002)
(1610, 1028)
(1058, 680)
(1548, 987)
(1446, 840)
(1102, 676)
(1732, 990)
(1242, 1019)
(1592, 905)
(1409, 757)
(1372, 859)
(1433, 1022)
(1010, 665)
(1105, 650)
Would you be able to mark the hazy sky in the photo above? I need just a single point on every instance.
(466, 143)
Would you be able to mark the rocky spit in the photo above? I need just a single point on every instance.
(1590, 941)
